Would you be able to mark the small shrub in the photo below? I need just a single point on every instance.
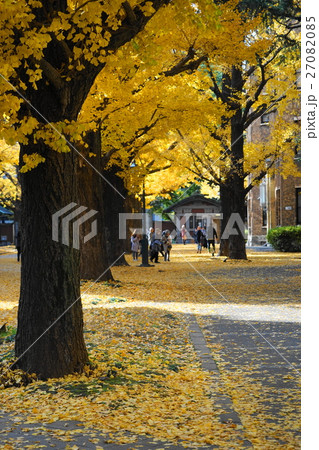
(285, 239)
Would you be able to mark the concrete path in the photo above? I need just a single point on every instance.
(269, 351)
(14, 435)
(220, 397)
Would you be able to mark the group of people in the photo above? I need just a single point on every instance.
(158, 243)
(205, 238)
(161, 242)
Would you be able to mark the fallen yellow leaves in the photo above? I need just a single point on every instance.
(147, 378)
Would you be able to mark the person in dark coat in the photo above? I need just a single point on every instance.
(198, 237)
(211, 235)
(203, 238)
(167, 244)
(156, 246)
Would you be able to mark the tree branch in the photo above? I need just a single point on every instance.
(129, 13)
(187, 64)
(52, 74)
(215, 89)
(259, 177)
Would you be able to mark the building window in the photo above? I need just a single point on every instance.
(198, 221)
(191, 222)
(298, 206)
(278, 208)
(264, 216)
(263, 193)
(265, 118)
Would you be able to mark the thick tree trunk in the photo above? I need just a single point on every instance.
(95, 254)
(237, 244)
(49, 339)
(232, 242)
(232, 191)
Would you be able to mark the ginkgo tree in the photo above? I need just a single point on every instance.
(131, 103)
(251, 69)
(51, 53)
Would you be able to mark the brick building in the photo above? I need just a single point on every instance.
(276, 201)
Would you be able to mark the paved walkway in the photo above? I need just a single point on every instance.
(268, 351)
(16, 435)
(276, 343)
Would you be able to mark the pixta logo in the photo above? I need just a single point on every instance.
(64, 224)
(235, 225)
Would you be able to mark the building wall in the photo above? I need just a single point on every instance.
(257, 230)
(199, 214)
(6, 233)
(273, 202)
(280, 207)
(283, 207)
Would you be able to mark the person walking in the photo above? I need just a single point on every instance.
(203, 238)
(167, 244)
(135, 243)
(198, 236)
(150, 236)
(184, 234)
(211, 235)
(155, 249)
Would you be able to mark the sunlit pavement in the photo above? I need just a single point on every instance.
(258, 363)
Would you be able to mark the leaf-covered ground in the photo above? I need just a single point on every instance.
(148, 378)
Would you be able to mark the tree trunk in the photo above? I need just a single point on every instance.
(225, 200)
(232, 196)
(114, 195)
(95, 256)
(49, 339)
(233, 189)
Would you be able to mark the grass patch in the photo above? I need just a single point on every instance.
(7, 334)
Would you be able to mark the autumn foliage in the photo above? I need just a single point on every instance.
(169, 85)
(145, 376)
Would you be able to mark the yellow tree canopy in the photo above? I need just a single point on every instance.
(191, 112)
(149, 97)
(83, 35)
(10, 191)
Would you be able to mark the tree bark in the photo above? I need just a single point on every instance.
(95, 256)
(225, 200)
(232, 196)
(49, 339)
(232, 191)
(114, 204)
